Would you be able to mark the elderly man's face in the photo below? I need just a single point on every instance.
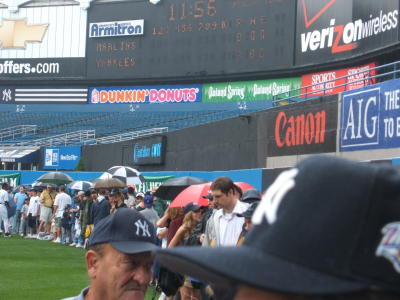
(116, 275)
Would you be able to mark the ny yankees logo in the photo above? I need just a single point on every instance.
(6, 95)
(142, 228)
(390, 244)
(273, 197)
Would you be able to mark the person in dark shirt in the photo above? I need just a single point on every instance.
(100, 208)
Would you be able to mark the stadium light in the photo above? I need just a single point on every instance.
(154, 1)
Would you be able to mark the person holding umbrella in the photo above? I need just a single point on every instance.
(47, 198)
(60, 202)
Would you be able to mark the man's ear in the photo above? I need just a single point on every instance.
(92, 263)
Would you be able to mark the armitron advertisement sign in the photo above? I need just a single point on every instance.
(337, 81)
(303, 128)
(329, 30)
(370, 118)
(43, 42)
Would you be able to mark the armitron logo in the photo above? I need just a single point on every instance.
(16, 33)
(344, 37)
(300, 130)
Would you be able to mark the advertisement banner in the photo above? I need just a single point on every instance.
(62, 68)
(12, 179)
(152, 182)
(251, 90)
(304, 128)
(190, 39)
(149, 151)
(145, 94)
(325, 83)
(370, 118)
(340, 29)
(43, 95)
(43, 42)
(61, 158)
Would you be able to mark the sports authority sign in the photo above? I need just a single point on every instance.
(338, 29)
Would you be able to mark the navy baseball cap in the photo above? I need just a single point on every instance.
(125, 230)
(250, 196)
(328, 226)
(190, 207)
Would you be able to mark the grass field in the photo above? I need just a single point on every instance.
(36, 269)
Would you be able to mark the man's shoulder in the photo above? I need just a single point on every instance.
(81, 296)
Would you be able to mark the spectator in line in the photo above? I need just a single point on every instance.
(85, 214)
(61, 201)
(23, 227)
(19, 199)
(11, 209)
(66, 225)
(47, 198)
(224, 226)
(75, 219)
(33, 211)
(100, 208)
(149, 213)
(139, 202)
(119, 265)
(130, 202)
(116, 199)
(4, 205)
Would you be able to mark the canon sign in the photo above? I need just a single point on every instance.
(299, 130)
(304, 128)
(339, 29)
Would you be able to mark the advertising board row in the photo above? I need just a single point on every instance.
(310, 85)
(369, 118)
(179, 39)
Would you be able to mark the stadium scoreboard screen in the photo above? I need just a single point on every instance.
(188, 38)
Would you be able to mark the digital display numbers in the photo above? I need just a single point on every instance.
(193, 39)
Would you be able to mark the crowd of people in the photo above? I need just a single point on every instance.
(67, 216)
(326, 229)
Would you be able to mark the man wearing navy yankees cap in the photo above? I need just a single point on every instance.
(119, 257)
(326, 229)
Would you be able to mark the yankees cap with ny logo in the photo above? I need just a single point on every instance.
(126, 230)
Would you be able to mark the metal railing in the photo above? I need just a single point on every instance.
(304, 93)
(65, 139)
(17, 131)
(128, 136)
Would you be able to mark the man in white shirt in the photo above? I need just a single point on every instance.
(224, 226)
(4, 203)
(33, 211)
(61, 201)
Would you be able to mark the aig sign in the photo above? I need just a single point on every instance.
(370, 118)
(360, 117)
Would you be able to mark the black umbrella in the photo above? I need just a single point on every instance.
(172, 187)
(55, 178)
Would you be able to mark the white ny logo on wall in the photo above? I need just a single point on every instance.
(6, 95)
(142, 228)
(273, 197)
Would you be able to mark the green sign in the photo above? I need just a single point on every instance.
(251, 90)
(12, 179)
(152, 182)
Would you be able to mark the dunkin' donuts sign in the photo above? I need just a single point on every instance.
(141, 95)
(304, 128)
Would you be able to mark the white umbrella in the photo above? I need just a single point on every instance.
(80, 185)
(128, 175)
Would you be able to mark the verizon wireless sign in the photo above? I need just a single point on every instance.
(339, 29)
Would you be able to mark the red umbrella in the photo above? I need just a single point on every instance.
(195, 193)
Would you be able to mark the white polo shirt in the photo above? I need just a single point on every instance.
(33, 206)
(230, 225)
(62, 200)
